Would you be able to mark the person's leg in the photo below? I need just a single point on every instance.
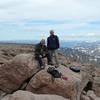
(39, 59)
(56, 58)
(49, 59)
(51, 55)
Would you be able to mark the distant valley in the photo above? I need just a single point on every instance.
(80, 51)
(84, 52)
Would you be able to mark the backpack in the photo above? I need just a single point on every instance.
(55, 73)
(75, 69)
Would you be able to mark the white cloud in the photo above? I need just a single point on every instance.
(49, 9)
(92, 34)
(77, 12)
(80, 36)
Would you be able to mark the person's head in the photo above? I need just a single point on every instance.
(42, 41)
(51, 32)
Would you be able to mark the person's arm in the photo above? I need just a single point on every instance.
(48, 42)
(57, 41)
(37, 53)
(45, 51)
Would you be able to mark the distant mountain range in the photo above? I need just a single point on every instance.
(92, 49)
(69, 44)
(84, 52)
(20, 41)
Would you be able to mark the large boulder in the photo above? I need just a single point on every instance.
(16, 71)
(42, 83)
(71, 88)
(2, 94)
(84, 97)
(96, 85)
(87, 73)
(3, 59)
(91, 95)
(24, 95)
(96, 82)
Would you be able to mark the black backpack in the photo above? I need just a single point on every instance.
(55, 73)
(75, 69)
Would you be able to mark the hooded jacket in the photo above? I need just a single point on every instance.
(52, 42)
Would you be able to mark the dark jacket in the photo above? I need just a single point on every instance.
(52, 42)
(40, 50)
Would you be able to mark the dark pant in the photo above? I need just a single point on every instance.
(39, 59)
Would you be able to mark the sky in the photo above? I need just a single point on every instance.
(33, 19)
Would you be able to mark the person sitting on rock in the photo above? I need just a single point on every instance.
(41, 52)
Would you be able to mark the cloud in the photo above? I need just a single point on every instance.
(49, 9)
(81, 36)
(73, 18)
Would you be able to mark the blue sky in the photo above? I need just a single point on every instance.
(32, 19)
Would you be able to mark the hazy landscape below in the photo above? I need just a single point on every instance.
(81, 51)
(69, 44)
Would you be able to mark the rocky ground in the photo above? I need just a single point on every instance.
(21, 79)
